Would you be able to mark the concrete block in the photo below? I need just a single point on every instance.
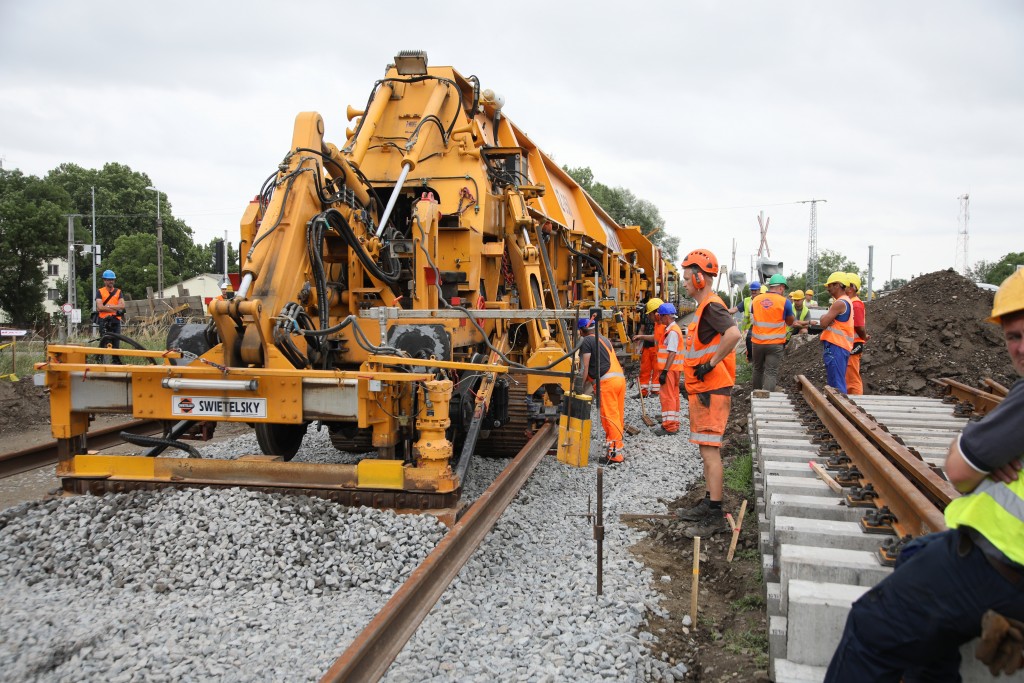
(777, 628)
(816, 618)
(792, 468)
(773, 598)
(828, 565)
(830, 507)
(798, 485)
(769, 572)
(823, 534)
(765, 545)
(785, 671)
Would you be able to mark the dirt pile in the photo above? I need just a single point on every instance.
(23, 404)
(933, 327)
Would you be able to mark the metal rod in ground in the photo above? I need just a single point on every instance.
(695, 586)
(599, 530)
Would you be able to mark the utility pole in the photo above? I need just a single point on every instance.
(94, 256)
(159, 247)
(812, 243)
(962, 264)
(72, 293)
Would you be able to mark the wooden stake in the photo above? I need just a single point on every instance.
(736, 531)
(825, 477)
(696, 580)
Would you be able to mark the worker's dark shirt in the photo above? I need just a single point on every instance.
(588, 344)
(715, 319)
(649, 329)
(998, 438)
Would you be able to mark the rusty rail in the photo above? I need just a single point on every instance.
(995, 387)
(373, 650)
(981, 401)
(33, 457)
(914, 513)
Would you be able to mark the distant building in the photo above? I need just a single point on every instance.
(56, 269)
(205, 285)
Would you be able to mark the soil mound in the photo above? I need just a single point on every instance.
(23, 404)
(932, 327)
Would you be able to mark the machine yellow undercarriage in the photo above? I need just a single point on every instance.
(414, 291)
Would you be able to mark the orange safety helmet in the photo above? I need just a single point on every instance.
(703, 259)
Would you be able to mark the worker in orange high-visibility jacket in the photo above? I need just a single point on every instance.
(854, 384)
(653, 329)
(670, 367)
(710, 373)
(597, 360)
(837, 337)
(771, 313)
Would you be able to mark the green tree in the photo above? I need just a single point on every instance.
(894, 283)
(33, 229)
(626, 208)
(994, 272)
(133, 259)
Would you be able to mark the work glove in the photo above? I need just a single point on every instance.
(705, 399)
(857, 348)
(663, 377)
(1001, 646)
(577, 385)
(702, 370)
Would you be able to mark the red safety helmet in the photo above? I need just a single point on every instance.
(703, 259)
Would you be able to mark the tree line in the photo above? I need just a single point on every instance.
(34, 216)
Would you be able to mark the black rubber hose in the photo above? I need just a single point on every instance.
(142, 440)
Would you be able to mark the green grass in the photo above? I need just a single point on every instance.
(748, 642)
(26, 353)
(744, 370)
(748, 603)
(739, 475)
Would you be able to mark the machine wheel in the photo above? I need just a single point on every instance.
(507, 440)
(280, 439)
(349, 440)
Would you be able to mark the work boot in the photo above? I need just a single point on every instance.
(660, 431)
(696, 513)
(712, 523)
(612, 459)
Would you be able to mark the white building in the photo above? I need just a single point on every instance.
(56, 269)
(205, 285)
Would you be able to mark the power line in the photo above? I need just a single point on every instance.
(731, 208)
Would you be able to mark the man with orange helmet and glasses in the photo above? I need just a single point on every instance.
(709, 365)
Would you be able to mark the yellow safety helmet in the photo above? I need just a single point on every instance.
(809, 293)
(838, 277)
(854, 280)
(652, 304)
(797, 295)
(1009, 298)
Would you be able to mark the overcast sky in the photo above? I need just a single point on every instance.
(712, 110)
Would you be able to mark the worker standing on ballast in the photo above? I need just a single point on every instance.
(771, 313)
(837, 334)
(597, 359)
(854, 384)
(913, 623)
(670, 367)
(110, 309)
(652, 331)
(710, 367)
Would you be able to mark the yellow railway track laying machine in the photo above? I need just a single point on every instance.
(413, 290)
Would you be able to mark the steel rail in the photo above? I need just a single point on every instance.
(373, 650)
(995, 387)
(982, 401)
(912, 466)
(915, 514)
(34, 457)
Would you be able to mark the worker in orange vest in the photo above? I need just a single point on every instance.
(837, 334)
(670, 367)
(854, 384)
(710, 369)
(110, 308)
(225, 292)
(771, 313)
(597, 360)
(653, 330)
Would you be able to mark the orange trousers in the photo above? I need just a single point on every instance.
(670, 403)
(707, 425)
(613, 412)
(649, 372)
(854, 385)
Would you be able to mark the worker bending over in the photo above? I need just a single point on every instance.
(854, 384)
(710, 367)
(771, 313)
(597, 358)
(912, 624)
(653, 329)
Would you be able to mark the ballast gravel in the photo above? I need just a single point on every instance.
(234, 585)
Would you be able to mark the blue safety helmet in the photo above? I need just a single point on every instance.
(584, 323)
(666, 309)
(755, 285)
(108, 275)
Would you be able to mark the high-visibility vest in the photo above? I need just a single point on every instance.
(769, 324)
(746, 322)
(114, 300)
(614, 367)
(677, 362)
(802, 315)
(996, 511)
(857, 337)
(840, 333)
(722, 375)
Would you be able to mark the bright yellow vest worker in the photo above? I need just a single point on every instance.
(996, 510)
